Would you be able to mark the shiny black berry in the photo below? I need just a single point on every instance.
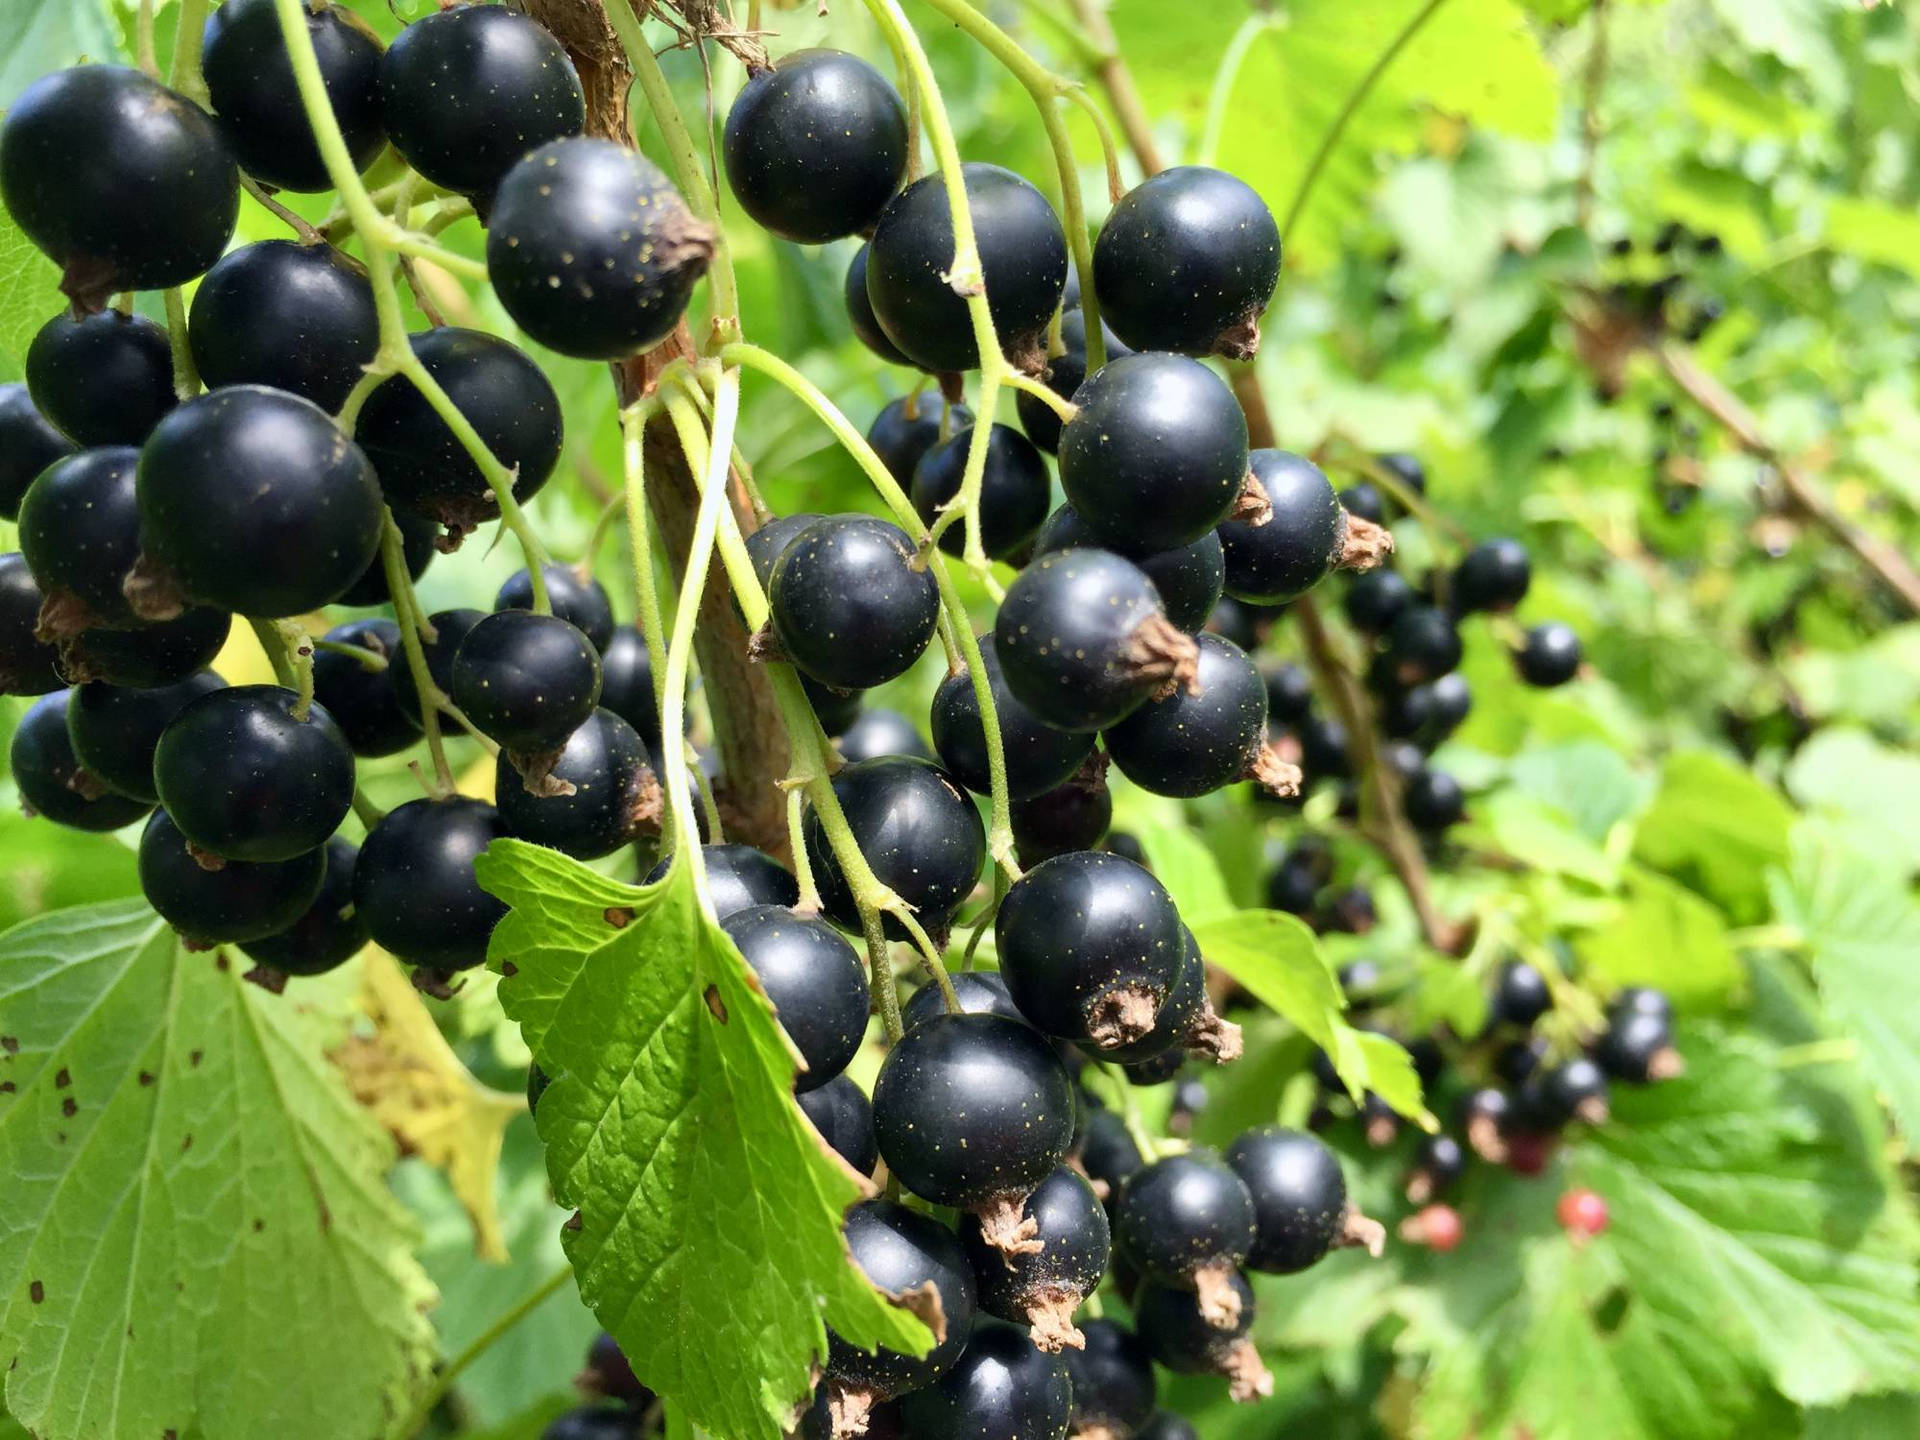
(28, 444)
(1438, 1164)
(1184, 1338)
(877, 731)
(150, 656)
(102, 379)
(905, 429)
(1640, 1000)
(971, 1109)
(27, 665)
(297, 317)
(626, 684)
(849, 603)
(1113, 1381)
(980, 992)
(1422, 645)
(841, 1112)
(815, 146)
(578, 599)
(251, 86)
(361, 696)
(528, 681)
(417, 549)
(237, 902)
(1014, 490)
(1299, 1197)
(1004, 1386)
(1188, 579)
(1038, 757)
(123, 183)
(1289, 693)
(1023, 259)
(467, 91)
(1064, 375)
(115, 730)
(1638, 1048)
(1549, 657)
(834, 709)
(1520, 994)
(414, 884)
(1405, 468)
(1492, 576)
(1156, 455)
(331, 931)
(1184, 1024)
(1300, 542)
(815, 980)
(52, 781)
(1073, 816)
(253, 500)
(738, 877)
(591, 249)
(1187, 261)
(614, 796)
(450, 627)
(1188, 1220)
(1576, 1089)
(80, 534)
(594, 1422)
(860, 316)
(1434, 801)
(1043, 1287)
(1450, 701)
(1196, 740)
(1375, 600)
(503, 394)
(900, 1250)
(608, 1372)
(918, 830)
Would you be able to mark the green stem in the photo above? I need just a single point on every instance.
(646, 590)
(880, 977)
(406, 609)
(291, 654)
(809, 901)
(443, 1382)
(186, 378)
(185, 75)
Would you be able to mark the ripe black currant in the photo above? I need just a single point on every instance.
(80, 534)
(1083, 641)
(1636, 1048)
(1422, 645)
(860, 316)
(251, 86)
(1166, 1425)
(738, 877)
(1187, 261)
(919, 832)
(608, 1372)
(1492, 576)
(1438, 1164)
(1299, 1197)
(1185, 1023)
(980, 992)
(594, 1422)
(849, 603)
(815, 981)
(905, 429)
(766, 545)
(1189, 1220)
(1177, 1330)
(1405, 714)
(251, 499)
(1113, 1382)
(596, 792)
(1520, 994)
(1107, 1152)
(1064, 375)
(840, 1111)
(1090, 947)
(414, 884)
(450, 627)
(115, 730)
(297, 317)
(102, 379)
(1289, 693)
(1375, 600)
(1196, 740)
(245, 777)
(238, 902)
(27, 666)
(578, 599)
(1640, 1000)
(1038, 757)
(1323, 748)
(51, 779)
(835, 709)
(1014, 490)
(1407, 469)
(150, 656)
(1004, 1386)
(123, 183)
(1576, 1089)
(1043, 1286)
(416, 548)
(592, 251)
(1073, 816)
(1485, 1115)
(816, 144)
(361, 699)
(878, 731)
(900, 1250)
(1188, 580)
(528, 681)
(1550, 656)
(1023, 260)
(1515, 1061)
(1434, 801)
(973, 1111)
(466, 91)
(626, 684)
(1299, 544)
(28, 444)
(1450, 700)
(503, 394)
(1157, 453)
(331, 931)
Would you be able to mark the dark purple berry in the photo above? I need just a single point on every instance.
(27, 665)
(980, 992)
(528, 681)
(876, 732)
(1422, 645)
(1073, 816)
(905, 429)
(415, 888)
(1520, 994)
(613, 800)
(1550, 657)
(1004, 1386)
(900, 1250)
(331, 931)
(363, 699)
(1064, 375)
(51, 780)
(815, 981)
(28, 444)
(1298, 545)
(1014, 490)
(1188, 1220)
(1188, 579)
(102, 379)
(1113, 1381)
(841, 1113)
(918, 830)
(297, 317)
(115, 730)
(238, 902)
(450, 627)
(1299, 1197)
(860, 316)
(1493, 576)
(1196, 740)
(849, 603)
(80, 534)
(1038, 757)
(151, 656)
(1434, 801)
(739, 877)
(1375, 600)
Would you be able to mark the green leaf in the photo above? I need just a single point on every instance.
(1181, 861)
(43, 35)
(1584, 780)
(47, 867)
(1666, 936)
(198, 1238)
(1718, 830)
(708, 1238)
(29, 296)
(1525, 825)
(1872, 1417)
(1876, 791)
(1874, 230)
(1876, 684)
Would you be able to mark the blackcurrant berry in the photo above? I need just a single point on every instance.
(1299, 1197)
(1550, 656)
(599, 791)
(1166, 1425)
(1194, 741)
(594, 1422)
(1576, 1089)
(815, 145)
(362, 699)
(919, 832)
(860, 317)
(246, 777)
(1451, 700)
(1405, 714)
(626, 684)
(900, 1250)
(1023, 261)
(980, 992)
(578, 599)
(815, 981)
(1183, 1338)
(1090, 946)
(1638, 1048)
(834, 709)
(238, 902)
(1158, 1069)
(1083, 641)
(1293, 888)
(102, 379)
(1298, 545)
(1289, 693)
(331, 931)
(1073, 816)
(1492, 576)
(1014, 490)
(80, 533)
(1107, 1152)
(450, 627)
(28, 444)
(1038, 757)
(251, 86)
(1064, 375)
(1485, 1115)
(1375, 600)
(416, 548)
(151, 656)
(1517, 1060)
(1187, 261)
(115, 730)
(297, 317)
(1364, 500)
(905, 429)
(1113, 1381)
(876, 732)
(1438, 1164)
(503, 394)
(608, 1372)
(123, 183)
(466, 91)
(253, 500)
(1188, 1220)
(738, 877)
(1188, 579)
(973, 1111)
(592, 251)
(52, 781)
(1640, 1000)
(1004, 1386)
(1042, 1287)
(840, 1111)
(1407, 469)
(1434, 801)
(1520, 994)
(849, 603)
(27, 666)
(1405, 759)
(1185, 1023)
(528, 681)
(1324, 748)
(1422, 645)
(1157, 453)
(414, 884)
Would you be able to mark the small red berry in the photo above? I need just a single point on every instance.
(1582, 1214)
(1438, 1227)
(1528, 1152)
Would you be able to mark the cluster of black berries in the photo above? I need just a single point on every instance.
(1672, 302)
(617, 1406)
